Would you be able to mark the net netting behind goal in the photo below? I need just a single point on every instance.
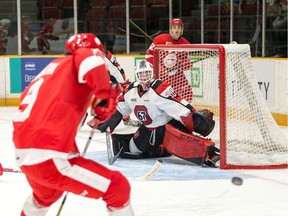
(223, 80)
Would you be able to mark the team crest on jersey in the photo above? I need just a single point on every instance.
(142, 114)
(170, 60)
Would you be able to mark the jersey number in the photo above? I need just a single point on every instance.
(28, 101)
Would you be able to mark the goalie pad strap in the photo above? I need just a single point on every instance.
(186, 146)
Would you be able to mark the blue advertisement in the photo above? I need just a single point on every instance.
(31, 67)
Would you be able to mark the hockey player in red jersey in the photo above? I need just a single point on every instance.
(1, 169)
(45, 128)
(182, 63)
(174, 37)
(157, 105)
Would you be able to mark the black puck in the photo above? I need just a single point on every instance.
(237, 181)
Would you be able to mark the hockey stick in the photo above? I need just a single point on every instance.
(150, 172)
(12, 170)
(110, 153)
(153, 170)
(138, 35)
(141, 30)
(83, 153)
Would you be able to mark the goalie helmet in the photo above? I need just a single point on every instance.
(176, 22)
(84, 40)
(144, 74)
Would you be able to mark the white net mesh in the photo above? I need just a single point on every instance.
(253, 139)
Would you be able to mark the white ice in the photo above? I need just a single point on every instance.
(177, 189)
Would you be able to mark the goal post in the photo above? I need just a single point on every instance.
(221, 78)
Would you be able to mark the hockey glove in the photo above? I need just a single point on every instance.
(112, 122)
(93, 123)
(203, 122)
(105, 108)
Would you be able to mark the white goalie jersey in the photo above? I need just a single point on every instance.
(154, 107)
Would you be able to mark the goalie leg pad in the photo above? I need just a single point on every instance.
(149, 142)
(119, 141)
(186, 146)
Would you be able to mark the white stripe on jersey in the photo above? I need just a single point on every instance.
(80, 174)
(88, 64)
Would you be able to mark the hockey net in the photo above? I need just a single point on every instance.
(224, 81)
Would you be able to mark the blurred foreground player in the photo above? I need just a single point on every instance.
(118, 74)
(45, 127)
(180, 59)
(167, 122)
(1, 169)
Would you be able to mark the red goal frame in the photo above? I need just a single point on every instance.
(222, 98)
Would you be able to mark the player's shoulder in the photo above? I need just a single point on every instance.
(183, 40)
(157, 82)
(162, 87)
(162, 38)
(84, 53)
(131, 86)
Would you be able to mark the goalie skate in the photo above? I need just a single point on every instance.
(212, 158)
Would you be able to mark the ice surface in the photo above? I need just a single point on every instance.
(179, 188)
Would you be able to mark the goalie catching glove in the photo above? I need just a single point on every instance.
(200, 122)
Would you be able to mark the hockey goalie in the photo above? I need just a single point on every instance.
(170, 125)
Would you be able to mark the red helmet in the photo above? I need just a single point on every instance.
(176, 21)
(84, 40)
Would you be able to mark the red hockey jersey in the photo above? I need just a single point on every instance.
(54, 103)
(162, 39)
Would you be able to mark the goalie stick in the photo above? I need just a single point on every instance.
(110, 153)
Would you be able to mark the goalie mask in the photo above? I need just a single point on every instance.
(176, 28)
(84, 40)
(144, 74)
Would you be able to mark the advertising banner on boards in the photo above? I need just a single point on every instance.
(23, 71)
